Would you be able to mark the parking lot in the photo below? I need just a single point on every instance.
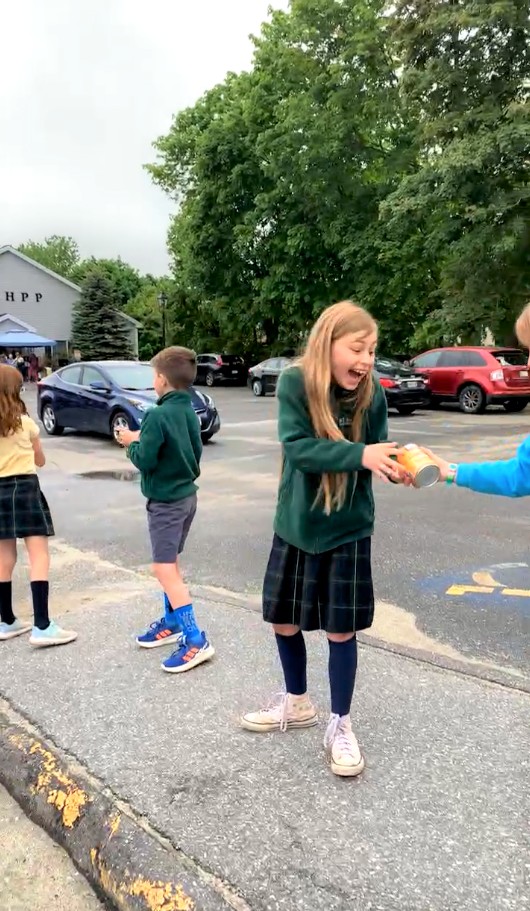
(437, 552)
(438, 820)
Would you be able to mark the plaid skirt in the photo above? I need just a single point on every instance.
(24, 512)
(332, 591)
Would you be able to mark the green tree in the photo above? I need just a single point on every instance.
(465, 76)
(98, 329)
(125, 280)
(146, 308)
(59, 254)
(279, 174)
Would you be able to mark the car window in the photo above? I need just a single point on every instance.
(427, 360)
(71, 374)
(91, 375)
(511, 358)
(455, 358)
(272, 364)
(283, 363)
(387, 363)
(475, 359)
(138, 377)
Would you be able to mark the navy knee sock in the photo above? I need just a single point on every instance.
(342, 671)
(294, 662)
(6, 603)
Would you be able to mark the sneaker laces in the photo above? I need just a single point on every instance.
(278, 707)
(156, 624)
(340, 734)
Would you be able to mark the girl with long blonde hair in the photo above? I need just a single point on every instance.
(24, 513)
(333, 430)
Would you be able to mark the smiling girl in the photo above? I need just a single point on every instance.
(333, 431)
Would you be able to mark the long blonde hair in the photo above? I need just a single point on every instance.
(334, 323)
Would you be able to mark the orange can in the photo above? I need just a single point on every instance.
(423, 471)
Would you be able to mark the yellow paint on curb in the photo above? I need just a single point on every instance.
(60, 790)
(157, 896)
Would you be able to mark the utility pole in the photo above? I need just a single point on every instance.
(162, 300)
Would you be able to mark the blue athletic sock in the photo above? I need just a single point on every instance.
(342, 671)
(168, 610)
(293, 657)
(184, 617)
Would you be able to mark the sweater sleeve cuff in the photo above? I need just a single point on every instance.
(462, 475)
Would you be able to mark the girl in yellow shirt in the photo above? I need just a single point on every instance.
(24, 513)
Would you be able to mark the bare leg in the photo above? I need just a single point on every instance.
(8, 559)
(170, 578)
(39, 558)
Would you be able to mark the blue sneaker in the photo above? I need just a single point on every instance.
(160, 633)
(189, 655)
(52, 635)
(11, 630)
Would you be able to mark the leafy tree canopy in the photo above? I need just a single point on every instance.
(59, 254)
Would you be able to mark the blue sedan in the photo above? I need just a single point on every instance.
(108, 396)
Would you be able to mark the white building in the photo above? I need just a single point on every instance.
(36, 299)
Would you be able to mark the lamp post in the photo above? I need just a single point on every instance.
(162, 300)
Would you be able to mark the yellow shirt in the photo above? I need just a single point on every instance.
(16, 450)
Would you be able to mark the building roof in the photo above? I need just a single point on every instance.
(32, 262)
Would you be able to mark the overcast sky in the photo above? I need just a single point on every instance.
(86, 87)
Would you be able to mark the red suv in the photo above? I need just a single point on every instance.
(476, 377)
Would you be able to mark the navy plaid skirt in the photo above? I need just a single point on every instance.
(24, 512)
(332, 591)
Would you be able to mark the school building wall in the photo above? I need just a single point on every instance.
(43, 300)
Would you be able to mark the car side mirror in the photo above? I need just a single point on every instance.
(98, 386)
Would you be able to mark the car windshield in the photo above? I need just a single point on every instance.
(134, 377)
(511, 358)
(386, 363)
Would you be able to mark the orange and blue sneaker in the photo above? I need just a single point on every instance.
(189, 654)
(161, 632)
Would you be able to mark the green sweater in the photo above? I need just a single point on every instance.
(300, 521)
(169, 449)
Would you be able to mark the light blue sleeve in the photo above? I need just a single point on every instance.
(505, 479)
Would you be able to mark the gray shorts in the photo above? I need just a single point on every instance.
(169, 525)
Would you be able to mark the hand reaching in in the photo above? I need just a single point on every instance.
(377, 458)
(442, 464)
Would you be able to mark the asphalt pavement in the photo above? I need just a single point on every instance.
(439, 820)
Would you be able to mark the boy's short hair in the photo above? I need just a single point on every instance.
(178, 365)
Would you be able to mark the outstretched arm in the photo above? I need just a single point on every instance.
(510, 478)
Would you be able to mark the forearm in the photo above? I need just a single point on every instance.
(314, 456)
(143, 456)
(503, 479)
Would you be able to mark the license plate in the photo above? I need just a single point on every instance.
(234, 371)
(412, 385)
(523, 373)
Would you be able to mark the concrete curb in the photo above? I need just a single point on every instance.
(130, 866)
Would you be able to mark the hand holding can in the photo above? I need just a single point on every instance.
(422, 469)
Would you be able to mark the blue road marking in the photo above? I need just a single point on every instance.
(505, 585)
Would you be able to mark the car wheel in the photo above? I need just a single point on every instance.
(512, 406)
(120, 421)
(206, 437)
(49, 421)
(405, 410)
(210, 378)
(472, 399)
(257, 387)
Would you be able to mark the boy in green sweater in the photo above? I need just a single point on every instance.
(167, 451)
